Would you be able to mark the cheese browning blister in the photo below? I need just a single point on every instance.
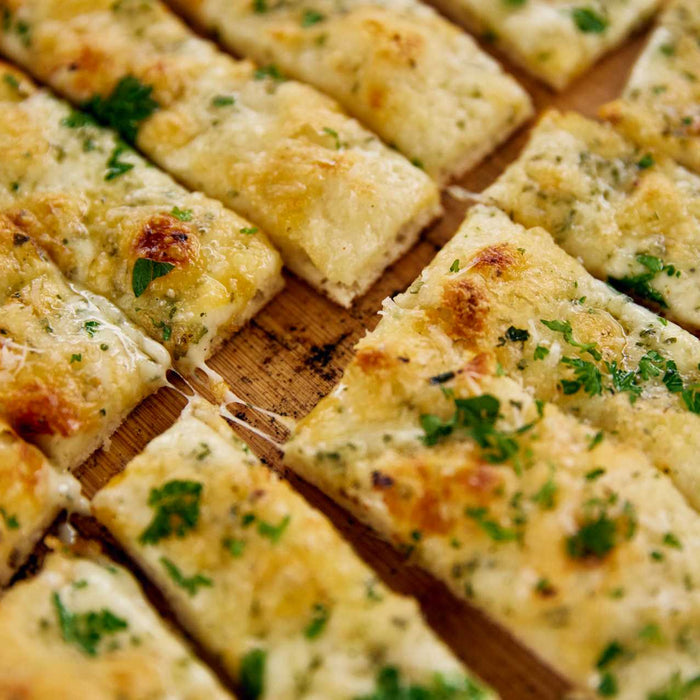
(631, 217)
(554, 40)
(82, 630)
(338, 204)
(180, 265)
(413, 78)
(263, 580)
(659, 105)
(32, 493)
(510, 422)
(71, 365)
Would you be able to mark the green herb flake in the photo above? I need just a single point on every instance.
(223, 101)
(233, 546)
(116, 167)
(273, 532)
(125, 108)
(540, 352)
(311, 17)
(11, 521)
(251, 675)
(270, 71)
(145, 271)
(190, 583)
(588, 21)
(181, 214)
(517, 335)
(455, 266)
(76, 357)
(586, 376)
(320, 615)
(77, 120)
(176, 506)
(564, 327)
(249, 230)
(670, 540)
(494, 530)
(10, 80)
(646, 162)
(595, 538)
(86, 630)
(91, 327)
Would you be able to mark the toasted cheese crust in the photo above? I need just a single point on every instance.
(572, 539)
(338, 204)
(632, 218)
(262, 579)
(397, 66)
(83, 630)
(32, 493)
(71, 364)
(59, 184)
(554, 40)
(659, 106)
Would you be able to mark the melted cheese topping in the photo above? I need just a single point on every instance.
(71, 364)
(660, 104)
(554, 40)
(396, 65)
(339, 205)
(49, 654)
(608, 203)
(31, 495)
(53, 184)
(259, 574)
(572, 539)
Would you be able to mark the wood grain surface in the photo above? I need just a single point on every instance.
(294, 352)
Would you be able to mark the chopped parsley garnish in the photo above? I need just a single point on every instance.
(672, 378)
(646, 162)
(541, 352)
(476, 418)
(651, 365)
(311, 17)
(639, 285)
(273, 532)
(223, 100)
(116, 167)
(76, 357)
(181, 214)
(599, 533)
(389, 686)
(564, 327)
(125, 107)
(235, 547)
(320, 615)
(270, 71)
(494, 530)
(334, 134)
(176, 506)
(455, 265)
(145, 271)
(517, 335)
(190, 583)
(589, 21)
(252, 674)
(10, 80)
(595, 473)
(86, 630)
(595, 440)
(624, 381)
(670, 540)
(609, 654)
(77, 119)
(607, 687)
(545, 497)
(587, 376)
(676, 688)
(691, 398)
(11, 521)
(260, 6)
(91, 327)
(249, 230)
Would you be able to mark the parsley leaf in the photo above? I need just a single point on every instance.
(595, 538)
(645, 162)
(311, 17)
(624, 381)
(517, 334)
(271, 71)
(125, 107)
(273, 532)
(318, 622)
(181, 214)
(639, 285)
(11, 521)
(676, 688)
(650, 365)
(672, 378)
(176, 506)
(76, 120)
(116, 167)
(223, 100)
(145, 271)
(564, 327)
(587, 376)
(91, 327)
(541, 352)
(589, 21)
(85, 630)
(691, 398)
(190, 583)
(494, 530)
(252, 674)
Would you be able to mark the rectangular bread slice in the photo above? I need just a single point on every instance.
(659, 105)
(554, 40)
(81, 629)
(263, 580)
(180, 265)
(338, 204)
(570, 536)
(412, 77)
(71, 364)
(32, 493)
(632, 218)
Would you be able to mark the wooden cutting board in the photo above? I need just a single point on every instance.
(294, 352)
